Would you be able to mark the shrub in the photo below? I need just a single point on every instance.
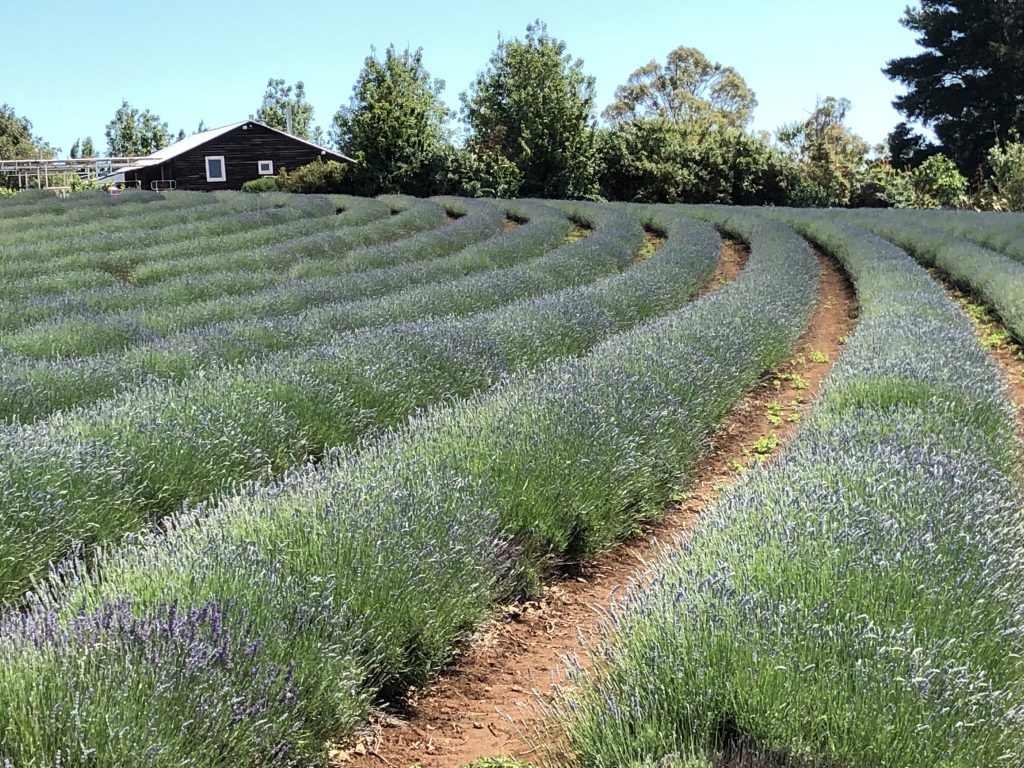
(315, 178)
(263, 184)
(1007, 163)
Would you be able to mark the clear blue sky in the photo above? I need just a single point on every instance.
(67, 64)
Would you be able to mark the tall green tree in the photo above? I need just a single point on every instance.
(394, 126)
(657, 160)
(16, 138)
(132, 133)
(534, 105)
(832, 156)
(278, 99)
(968, 82)
(688, 88)
(908, 148)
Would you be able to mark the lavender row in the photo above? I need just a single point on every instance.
(267, 625)
(327, 306)
(128, 262)
(859, 602)
(34, 206)
(121, 302)
(47, 236)
(996, 279)
(1003, 232)
(93, 474)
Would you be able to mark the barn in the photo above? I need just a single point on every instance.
(222, 158)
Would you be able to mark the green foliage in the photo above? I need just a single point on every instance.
(659, 160)
(318, 177)
(938, 183)
(689, 88)
(907, 148)
(832, 157)
(16, 139)
(133, 133)
(534, 106)
(473, 172)
(883, 186)
(394, 126)
(498, 761)
(1007, 163)
(967, 83)
(263, 184)
(274, 109)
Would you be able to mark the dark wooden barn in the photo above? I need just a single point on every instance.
(223, 158)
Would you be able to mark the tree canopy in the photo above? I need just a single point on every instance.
(394, 125)
(687, 88)
(534, 106)
(133, 133)
(277, 99)
(16, 139)
(968, 83)
(833, 157)
(82, 148)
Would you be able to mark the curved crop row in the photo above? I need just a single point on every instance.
(858, 602)
(43, 206)
(1002, 232)
(91, 475)
(268, 627)
(148, 217)
(994, 278)
(191, 251)
(61, 324)
(32, 387)
(303, 237)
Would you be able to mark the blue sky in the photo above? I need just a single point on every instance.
(71, 62)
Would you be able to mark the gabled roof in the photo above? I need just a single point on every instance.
(198, 139)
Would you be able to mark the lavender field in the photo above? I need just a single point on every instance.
(266, 461)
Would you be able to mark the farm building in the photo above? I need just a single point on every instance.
(222, 158)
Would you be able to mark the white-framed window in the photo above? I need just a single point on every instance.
(266, 167)
(216, 169)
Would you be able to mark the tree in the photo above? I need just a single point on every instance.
(658, 160)
(394, 126)
(937, 182)
(832, 156)
(133, 133)
(688, 88)
(1007, 163)
(968, 83)
(278, 99)
(535, 106)
(181, 135)
(16, 139)
(907, 148)
(82, 148)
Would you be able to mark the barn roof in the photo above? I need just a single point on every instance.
(198, 139)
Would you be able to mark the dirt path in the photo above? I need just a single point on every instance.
(486, 704)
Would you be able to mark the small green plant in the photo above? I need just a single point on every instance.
(498, 761)
(766, 444)
(817, 356)
(774, 413)
(264, 184)
(798, 382)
